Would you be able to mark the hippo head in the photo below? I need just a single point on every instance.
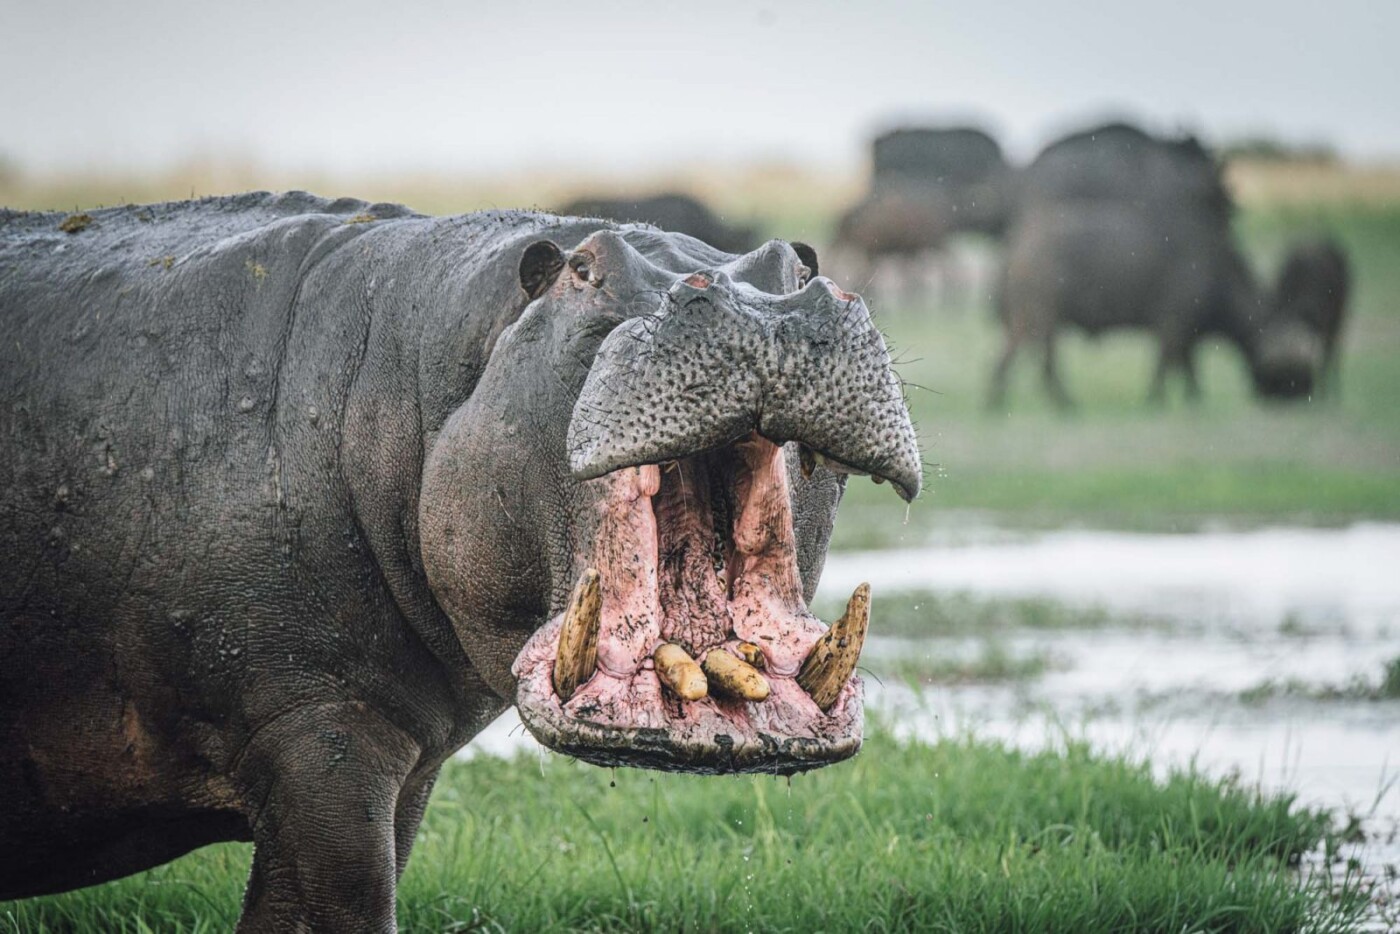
(627, 518)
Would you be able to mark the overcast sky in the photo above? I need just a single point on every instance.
(403, 84)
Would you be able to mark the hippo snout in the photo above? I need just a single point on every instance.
(718, 360)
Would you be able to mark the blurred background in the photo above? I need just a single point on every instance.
(1201, 567)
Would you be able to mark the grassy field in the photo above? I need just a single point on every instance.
(957, 836)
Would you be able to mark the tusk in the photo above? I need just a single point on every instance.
(678, 671)
(807, 458)
(734, 677)
(833, 658)
(577, 657)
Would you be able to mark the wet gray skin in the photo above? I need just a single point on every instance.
(289, 485)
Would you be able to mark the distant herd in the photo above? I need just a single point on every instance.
(1109, 227)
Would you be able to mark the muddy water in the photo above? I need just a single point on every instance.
(1263, 655)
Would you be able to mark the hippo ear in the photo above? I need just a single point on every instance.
(808, 257)
(539, 265)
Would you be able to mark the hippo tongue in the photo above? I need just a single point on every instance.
(701, 630)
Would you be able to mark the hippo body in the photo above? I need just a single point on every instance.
(225, 425)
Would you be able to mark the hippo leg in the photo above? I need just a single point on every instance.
(413, 800)
(326, 782)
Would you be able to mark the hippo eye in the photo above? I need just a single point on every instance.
(582, 265)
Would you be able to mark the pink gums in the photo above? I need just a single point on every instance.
(675, 594)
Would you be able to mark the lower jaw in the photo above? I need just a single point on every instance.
(633, 721)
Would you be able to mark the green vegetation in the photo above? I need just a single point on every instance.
(1358, 688)
(955, 836)
(932, 614)
(931, 663)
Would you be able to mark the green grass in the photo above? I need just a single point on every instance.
(957, 836)
(1358, 688)
(934, 664)
(916, 614)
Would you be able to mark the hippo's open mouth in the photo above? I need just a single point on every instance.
(686, 645)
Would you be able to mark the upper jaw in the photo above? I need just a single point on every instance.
(683, 652)
(719, 360)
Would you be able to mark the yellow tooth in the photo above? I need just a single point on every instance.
(750, 653)
(577, 657)
(833, 658)
(678, 671)
(736, 678)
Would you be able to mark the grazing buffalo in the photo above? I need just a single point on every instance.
(1312, 288)
(299, 495)
(1121, 163)
(927, 184)
(1105, 265)
(671, 211)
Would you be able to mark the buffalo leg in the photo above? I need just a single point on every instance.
(1050, 371)
(327, 783)
(1188, 373)
(1172, 352)
(997, 396)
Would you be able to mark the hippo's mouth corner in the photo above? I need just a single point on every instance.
(686, 644)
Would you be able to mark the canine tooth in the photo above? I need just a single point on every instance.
(678, 671)
(833, 658)
(577, 657)
(877, 478)
(807, 458)
(736, 678)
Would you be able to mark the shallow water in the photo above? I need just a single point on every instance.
(1314, 613)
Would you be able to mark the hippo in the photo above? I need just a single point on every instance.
(1108, 265)
(1312, 289)
(300, 494)
(670, 211)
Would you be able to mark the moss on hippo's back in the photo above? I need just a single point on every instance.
(75, 223)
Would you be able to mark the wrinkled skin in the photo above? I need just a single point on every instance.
(1312, 289)
(1101, 265)
(288, 493)
(671, 211)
